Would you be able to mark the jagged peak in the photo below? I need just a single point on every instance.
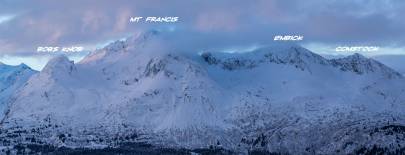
(116, 46)
(138, 40)
(132, 43)
(9, 74)
(297, 56)
(21, 66)
(59, 59)
(360, 64)
(59, 64)
(281, 51)
(24, 66)
(143, 36)
(356, 57)
(281, 54)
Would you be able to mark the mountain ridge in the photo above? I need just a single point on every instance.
(12, 78)
(136, 92)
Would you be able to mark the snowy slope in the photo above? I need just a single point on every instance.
(396, 62)
(278, 98)
(11, 78)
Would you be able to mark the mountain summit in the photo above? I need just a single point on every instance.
(273, 99)
(11, 79)
(359, 64)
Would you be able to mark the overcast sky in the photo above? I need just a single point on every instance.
(203, 25)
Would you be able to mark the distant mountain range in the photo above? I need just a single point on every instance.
(276, 99)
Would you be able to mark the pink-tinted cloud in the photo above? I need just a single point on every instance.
(217, 21)
(209, 24)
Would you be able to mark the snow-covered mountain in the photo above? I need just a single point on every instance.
(396, 62)
(11, 79)
(282, 99)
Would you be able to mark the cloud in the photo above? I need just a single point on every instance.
(203, 25)
(217, 21)
(5, 18)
